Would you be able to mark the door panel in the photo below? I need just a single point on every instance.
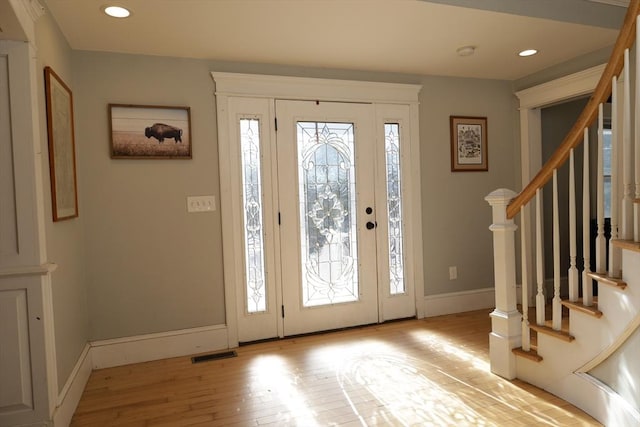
(326, 167)
(253, 194)
(320, 212)
(397, 289)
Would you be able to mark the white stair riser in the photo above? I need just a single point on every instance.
(556, 372)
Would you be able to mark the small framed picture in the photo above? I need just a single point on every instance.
(62, 151)
(150, 132)
(469, 144)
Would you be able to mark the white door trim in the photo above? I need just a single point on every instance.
(279, 87)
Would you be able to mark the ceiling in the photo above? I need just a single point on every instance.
(404, 36)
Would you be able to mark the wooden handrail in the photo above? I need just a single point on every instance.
(625, 40)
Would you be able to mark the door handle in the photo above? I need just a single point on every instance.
(371, 225)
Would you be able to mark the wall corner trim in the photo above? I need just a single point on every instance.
(69, 396)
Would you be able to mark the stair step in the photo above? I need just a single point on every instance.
(591, 310)
(564, 336)
(627, 244)
(531, 354)
(606, 280)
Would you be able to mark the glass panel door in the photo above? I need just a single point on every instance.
(329, 243)
(326, 186)
(253, 220)
(254, 217)
(397, 287)
(394, 208)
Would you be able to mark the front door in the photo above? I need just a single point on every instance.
(326, 179)
(318, 222)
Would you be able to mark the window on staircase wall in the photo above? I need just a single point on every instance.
(606, 139)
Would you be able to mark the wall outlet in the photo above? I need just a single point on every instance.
(201, 203)
(453, 272)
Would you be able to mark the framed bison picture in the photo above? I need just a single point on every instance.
(150, 132)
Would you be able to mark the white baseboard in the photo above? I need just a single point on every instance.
(144, 348)
(69, 396)
(136, 349)
(459, 302)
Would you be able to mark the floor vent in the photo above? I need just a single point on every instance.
(216, 356)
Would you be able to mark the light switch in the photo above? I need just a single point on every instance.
(201, 203)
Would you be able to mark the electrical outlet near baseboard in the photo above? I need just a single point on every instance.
(453, 272)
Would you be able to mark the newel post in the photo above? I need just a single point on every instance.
(506, 329)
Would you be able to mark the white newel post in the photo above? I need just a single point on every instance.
(506, 329)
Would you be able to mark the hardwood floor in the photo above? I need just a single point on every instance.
(429, 372)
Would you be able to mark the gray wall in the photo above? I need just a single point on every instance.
(65, 239)
(456, 218)
(152, 267)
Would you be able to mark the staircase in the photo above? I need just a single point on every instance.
(581, 347)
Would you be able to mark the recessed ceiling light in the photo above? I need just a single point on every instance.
(117, 11)
(466, 50)
(528, 52)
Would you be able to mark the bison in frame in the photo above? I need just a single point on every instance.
(160, 131)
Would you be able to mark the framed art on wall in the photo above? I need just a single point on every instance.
(150, 132)
(62, 158)
(469, 144)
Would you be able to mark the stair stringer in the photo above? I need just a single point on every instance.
(556, 373)
(596, 399)
(555, 363)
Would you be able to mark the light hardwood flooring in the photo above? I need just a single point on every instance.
(429, 372)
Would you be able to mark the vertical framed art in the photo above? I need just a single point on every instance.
(62, 158)
(469, 151)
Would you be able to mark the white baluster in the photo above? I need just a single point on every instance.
(601, 241)
(614, 253)
(573, 270)
(526, 333)
(587, 285)
(557, 306)
(627, 153)
(540, 301)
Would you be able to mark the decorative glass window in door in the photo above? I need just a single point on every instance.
(326, 175)
(253, 224)
(394, 208)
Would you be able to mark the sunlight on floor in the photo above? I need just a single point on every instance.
(413, 373)
(384, 386)
(406, 394)
(273, 379)
(440, 344)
